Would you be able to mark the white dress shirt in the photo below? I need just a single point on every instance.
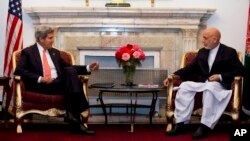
(211, 56)
(51, 64)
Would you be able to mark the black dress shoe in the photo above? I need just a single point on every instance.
(84, 130)
(70, 119)
(201, 132)
(179, 128)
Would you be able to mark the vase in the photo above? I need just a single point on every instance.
(129, 71)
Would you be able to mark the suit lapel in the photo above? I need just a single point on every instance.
(218, 56)
(54, 58)
(37, 58)
(204, 58)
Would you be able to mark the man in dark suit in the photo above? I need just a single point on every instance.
(43, 70)
(212, 72)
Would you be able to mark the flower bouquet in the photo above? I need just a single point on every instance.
(129, 56)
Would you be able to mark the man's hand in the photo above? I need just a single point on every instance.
(165, 82)
(215, 77)
(46, 80)
(94, 66)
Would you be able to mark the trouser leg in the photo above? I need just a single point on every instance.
(212, 108)
(75, 99)
(184, 104)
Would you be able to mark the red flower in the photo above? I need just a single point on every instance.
(129, 54)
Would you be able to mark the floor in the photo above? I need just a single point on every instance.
(112, 119)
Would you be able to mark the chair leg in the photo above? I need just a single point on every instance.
(170, 122)
(169, 127)
(5, 117)
(235, 119)
(18, 122)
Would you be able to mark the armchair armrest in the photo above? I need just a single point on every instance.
(169, 96)
(85, 79)
(17, 89)
(173, 80)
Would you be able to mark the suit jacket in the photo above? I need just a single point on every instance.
(30, 65)
(226, 63)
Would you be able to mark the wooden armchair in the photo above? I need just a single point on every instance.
(26, 102)
(233, 108)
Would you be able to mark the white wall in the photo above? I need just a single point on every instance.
(230, 17)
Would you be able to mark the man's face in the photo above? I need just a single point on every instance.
(208, 40)
(48, 41)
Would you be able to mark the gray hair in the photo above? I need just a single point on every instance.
(42, 32)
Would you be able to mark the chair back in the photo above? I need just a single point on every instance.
(67, 57)
(189, 56)
(15, 58)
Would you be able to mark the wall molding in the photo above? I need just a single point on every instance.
(184, 18)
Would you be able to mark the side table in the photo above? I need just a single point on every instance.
(4, 81)
(133, 92)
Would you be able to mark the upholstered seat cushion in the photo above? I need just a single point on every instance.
(41, 101)
(32, 100)
(42, 98)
